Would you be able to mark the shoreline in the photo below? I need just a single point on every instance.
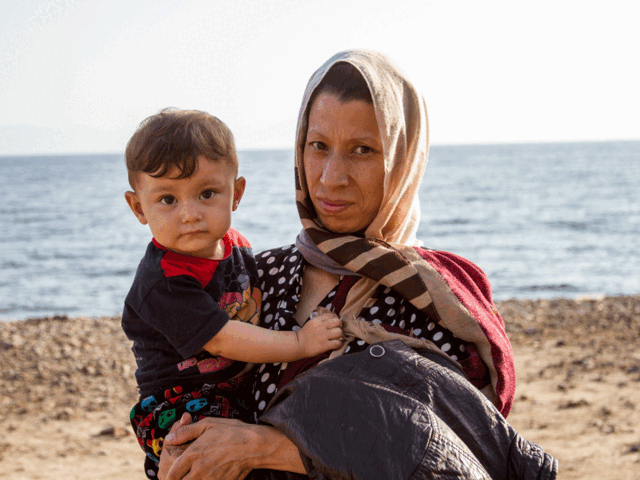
(68, 384)
(578, 298)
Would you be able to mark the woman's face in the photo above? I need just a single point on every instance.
(344, 163)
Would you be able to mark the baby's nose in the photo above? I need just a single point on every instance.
(190, 212)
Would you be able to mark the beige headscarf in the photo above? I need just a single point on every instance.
(401, 114)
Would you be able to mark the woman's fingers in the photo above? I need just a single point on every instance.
(171, 452)
(217, 474)
(185, 432)
(180, 468)
(186, 419)
(219, 452)
(174, 450)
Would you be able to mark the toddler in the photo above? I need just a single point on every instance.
(193, 309)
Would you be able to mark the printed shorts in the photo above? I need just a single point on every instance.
(153, 416)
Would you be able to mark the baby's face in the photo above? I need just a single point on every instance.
(189, 215)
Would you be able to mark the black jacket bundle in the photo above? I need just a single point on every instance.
(391, 413)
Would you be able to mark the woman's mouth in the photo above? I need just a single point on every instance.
(332, 206)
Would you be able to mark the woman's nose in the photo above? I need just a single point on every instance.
(334, 173)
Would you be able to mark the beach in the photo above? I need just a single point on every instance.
(68, 384)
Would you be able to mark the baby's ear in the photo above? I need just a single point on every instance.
(238, 191)
(136, 207)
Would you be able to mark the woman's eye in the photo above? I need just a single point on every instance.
(207, 194)
(168, 200)
(363, 150)
(318, 145)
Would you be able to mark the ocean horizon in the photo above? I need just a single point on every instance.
(542, 220)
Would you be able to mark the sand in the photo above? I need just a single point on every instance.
(67, 387)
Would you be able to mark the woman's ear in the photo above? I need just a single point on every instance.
(136, 207)
(238, 191)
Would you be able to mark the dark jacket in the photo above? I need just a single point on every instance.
(391, 413)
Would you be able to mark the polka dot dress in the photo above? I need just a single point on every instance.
(280, 273)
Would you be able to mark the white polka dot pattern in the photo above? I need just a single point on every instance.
(278, 308)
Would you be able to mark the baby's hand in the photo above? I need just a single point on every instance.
(320, 334)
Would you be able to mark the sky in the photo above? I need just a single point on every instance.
(78, 76)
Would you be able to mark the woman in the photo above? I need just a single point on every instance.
(362, 144)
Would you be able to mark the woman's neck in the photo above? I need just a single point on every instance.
(316, 285)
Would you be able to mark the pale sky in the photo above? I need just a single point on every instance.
(77, 76)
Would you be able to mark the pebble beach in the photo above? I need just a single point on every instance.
(68, 384)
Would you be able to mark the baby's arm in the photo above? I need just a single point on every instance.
(246, 342)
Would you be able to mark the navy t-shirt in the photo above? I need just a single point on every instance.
(178, 302)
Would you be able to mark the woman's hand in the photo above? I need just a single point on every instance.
(171, 452)
(225, 449)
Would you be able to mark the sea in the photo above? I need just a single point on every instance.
(542, 221)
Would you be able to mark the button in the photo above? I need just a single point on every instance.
(376, 351)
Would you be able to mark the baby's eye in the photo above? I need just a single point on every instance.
(207, 194)
(168, 200)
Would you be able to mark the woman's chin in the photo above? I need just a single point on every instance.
(336, 226)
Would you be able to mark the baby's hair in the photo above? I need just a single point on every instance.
(176, 138)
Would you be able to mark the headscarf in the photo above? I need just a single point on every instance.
(446, 288)
(401, 115)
